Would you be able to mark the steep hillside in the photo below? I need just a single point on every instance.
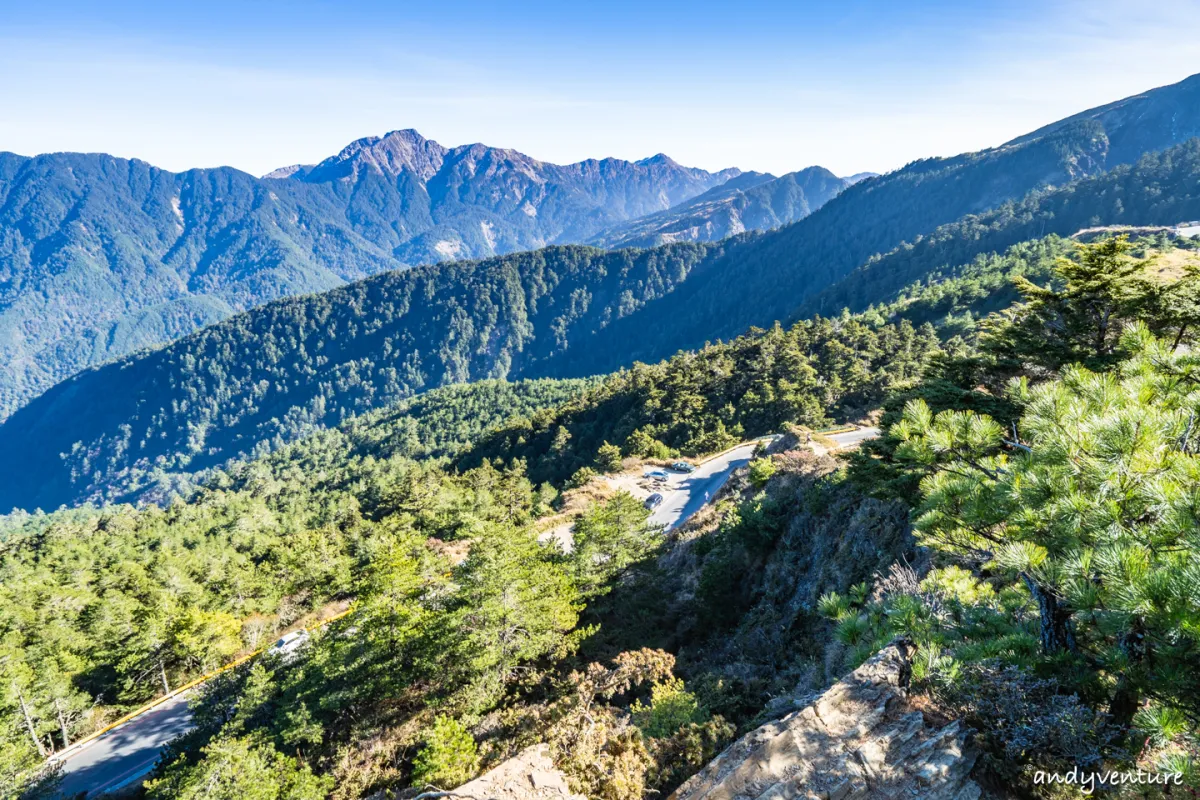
(749, 202)
(435, 424)
(1137, 124)
(558, 312)
(102, 256)
(266, 375)
(757, 280)
(1161, 189)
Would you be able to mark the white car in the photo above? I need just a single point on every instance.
(656, 474)
(288, 644)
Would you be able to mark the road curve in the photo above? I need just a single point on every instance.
(685, 494)
(125, 754)
(853, 437)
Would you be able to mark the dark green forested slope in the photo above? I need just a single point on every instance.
(1160, 189)
(102, 256)
(434, 424)
(267, 375)
(556, 312)
(771, 276)
(704, 401)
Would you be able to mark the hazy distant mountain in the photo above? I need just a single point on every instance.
(267, 375)
(859, 176)
(750, 202)
(101, 256)
(435, 203)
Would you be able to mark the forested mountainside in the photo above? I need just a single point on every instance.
(1134, 125)
(315, 360)
(435, 424)
(778, 276)
(708, 400)
(750, 202)
(469, 640)
(556, 312)
(102, 256)
(1160, 189)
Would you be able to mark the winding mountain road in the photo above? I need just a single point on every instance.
(686, 493)
(127, 753)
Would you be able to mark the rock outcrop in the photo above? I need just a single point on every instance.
(529, 775)
(860, 740)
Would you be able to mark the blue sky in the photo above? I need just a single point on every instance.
(771, 86)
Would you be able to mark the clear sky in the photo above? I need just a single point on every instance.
(771, 86)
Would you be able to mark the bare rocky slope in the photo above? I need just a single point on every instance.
(862, 740)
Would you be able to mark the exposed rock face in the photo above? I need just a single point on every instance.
(751, 201)
(861, 740)
(530, 775)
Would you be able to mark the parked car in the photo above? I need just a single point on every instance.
(289, 644)
(683, 466)
(654, 501)
(657, 474)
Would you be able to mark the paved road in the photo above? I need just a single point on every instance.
(125, 754)
(685, 494)
(854, 437)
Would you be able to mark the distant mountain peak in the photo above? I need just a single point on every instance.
(390, 154)
(288, 172)
(747, 201)
(859, 176)
(658, 158)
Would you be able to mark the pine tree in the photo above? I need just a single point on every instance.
(608, 458)
(1091, 503)
(1079, 318)
(449, 757)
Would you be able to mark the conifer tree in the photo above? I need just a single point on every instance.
(1091, 502)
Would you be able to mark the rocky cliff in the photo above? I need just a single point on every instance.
(860, 740)
(529, 775)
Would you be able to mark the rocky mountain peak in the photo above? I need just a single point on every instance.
(389, 154)
(658, 159)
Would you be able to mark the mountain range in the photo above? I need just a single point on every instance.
(751, 201)
(267, 375)
(432, 203)
(102, 256)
